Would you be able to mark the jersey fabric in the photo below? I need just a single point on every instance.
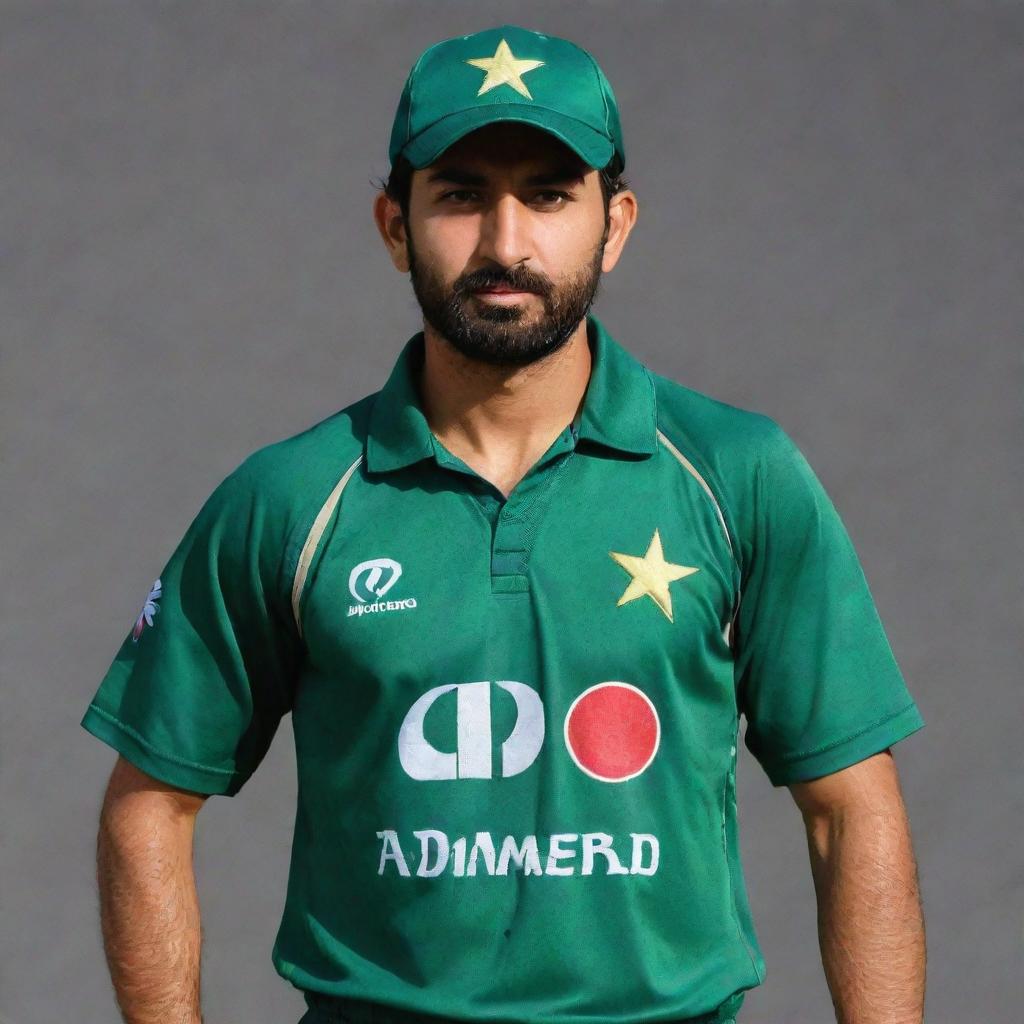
(515, 719)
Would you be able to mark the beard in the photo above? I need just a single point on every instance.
(500, 334)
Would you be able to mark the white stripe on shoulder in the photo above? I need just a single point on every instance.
(316, 532)
(730, 629)
(692, 470)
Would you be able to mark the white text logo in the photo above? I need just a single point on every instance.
(567, 853)
(369, 581)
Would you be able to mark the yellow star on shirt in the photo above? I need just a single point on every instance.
(504, 69)
(651, 575)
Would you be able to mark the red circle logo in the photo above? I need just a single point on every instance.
(612, 731)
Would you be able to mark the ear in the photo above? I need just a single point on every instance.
(387, 215)
(622, 214)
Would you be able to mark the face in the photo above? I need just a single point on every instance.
(505, 243)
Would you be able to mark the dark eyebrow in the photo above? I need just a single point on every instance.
(454, 176)
(559, 175)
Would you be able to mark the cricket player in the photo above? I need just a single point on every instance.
(515, 603)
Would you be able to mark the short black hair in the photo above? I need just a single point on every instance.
(398, 184)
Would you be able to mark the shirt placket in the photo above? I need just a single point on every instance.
(514, 519)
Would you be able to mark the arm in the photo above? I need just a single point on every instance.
(149, 911)
(870, 923)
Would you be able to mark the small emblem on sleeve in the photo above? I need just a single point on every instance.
(149, 609)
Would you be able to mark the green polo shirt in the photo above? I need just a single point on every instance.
(515, 719)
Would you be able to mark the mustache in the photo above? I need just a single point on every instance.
(516, 278)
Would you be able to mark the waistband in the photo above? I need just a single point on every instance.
(325, 1009)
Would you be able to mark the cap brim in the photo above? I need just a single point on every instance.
(591, 146)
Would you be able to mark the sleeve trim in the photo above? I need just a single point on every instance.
(846, 739)
(842, 753)
(176, 771)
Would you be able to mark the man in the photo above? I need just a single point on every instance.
(515, 603)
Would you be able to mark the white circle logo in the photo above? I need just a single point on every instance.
(364, 582)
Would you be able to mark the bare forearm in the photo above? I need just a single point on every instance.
(149, 912)
(870, 923)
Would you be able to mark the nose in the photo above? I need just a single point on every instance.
(504, 233)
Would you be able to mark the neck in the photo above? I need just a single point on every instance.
(481, 409)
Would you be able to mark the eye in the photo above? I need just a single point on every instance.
(460, 196)
(551, 197)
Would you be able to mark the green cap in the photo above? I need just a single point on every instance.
(506, 74)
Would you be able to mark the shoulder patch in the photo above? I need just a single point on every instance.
(149, 610)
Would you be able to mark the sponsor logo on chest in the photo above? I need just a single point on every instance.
(610, 731)
(369, 581)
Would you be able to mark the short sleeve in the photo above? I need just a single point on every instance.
(816, 677)
(199, 685)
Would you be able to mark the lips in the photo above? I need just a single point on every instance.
(504, 291)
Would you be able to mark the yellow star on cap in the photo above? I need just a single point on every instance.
(504, 69)
(651, 575)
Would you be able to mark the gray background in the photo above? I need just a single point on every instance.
(829, 233)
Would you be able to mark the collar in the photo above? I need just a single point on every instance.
(618, 407)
